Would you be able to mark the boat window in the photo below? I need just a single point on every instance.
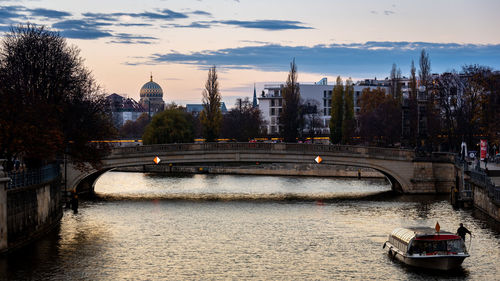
(421, 247)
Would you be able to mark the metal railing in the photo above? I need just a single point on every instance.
(33, 176)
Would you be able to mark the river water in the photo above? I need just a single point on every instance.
(213, 227)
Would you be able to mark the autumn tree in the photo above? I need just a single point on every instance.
(170, 126)
(337, 111)
(50, 101)
(211, 115)
(243, 122)
(290, 115)
(348, 122)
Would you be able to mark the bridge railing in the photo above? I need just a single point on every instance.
(373, 152)
(33, 176)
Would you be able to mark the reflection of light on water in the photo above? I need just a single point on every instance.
(322, 239)
(119, 185)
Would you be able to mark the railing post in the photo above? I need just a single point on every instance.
(4, 182)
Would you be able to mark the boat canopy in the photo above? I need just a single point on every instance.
(403, 234)
(421, 233)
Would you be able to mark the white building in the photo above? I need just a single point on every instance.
(318, 95)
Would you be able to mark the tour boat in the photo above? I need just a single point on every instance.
(426, 247)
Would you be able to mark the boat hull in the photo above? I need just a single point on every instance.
(446, 262)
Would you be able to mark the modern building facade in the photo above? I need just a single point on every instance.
(317, 97)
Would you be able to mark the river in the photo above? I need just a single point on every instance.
(213, 227)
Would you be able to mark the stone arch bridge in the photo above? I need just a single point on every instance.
(407, 173)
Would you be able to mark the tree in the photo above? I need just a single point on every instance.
(413, 107)
(211, 115)
(348, 122)
(380, 117)
(170, 126)
(290, 115)
(337, 111)
(135, 129)
(449, 89)
(425, 69)
(395, 90)
(312, 117)
(50, 101)
(242, 122)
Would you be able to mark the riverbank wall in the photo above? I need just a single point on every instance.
(485, 193)
(279, 169)
(27, 213)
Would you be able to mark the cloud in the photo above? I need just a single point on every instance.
(82, 29)
(164, 14)
(10, 13)
(201, 13)
(388, 12)
(14, 14)
(267, 24)
(126, 38)
(256, 24)
(356, 59)
(40, 12)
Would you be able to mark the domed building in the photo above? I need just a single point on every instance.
(152, 97)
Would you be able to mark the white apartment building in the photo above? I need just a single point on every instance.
(316, 94)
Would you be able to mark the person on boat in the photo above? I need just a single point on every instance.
(462, 231)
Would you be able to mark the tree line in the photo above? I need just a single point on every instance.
(51, 104)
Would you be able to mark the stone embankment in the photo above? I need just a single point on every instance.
(264, 169)
(28, 212)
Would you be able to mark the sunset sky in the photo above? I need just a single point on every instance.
(250, 42)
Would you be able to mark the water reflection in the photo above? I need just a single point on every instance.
(152, 238)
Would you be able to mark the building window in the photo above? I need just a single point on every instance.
(329, 93)
(279, 111)
(272, 102)
(280, 101)
(324, 111)
(273, 112)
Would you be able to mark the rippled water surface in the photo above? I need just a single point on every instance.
(207, 227)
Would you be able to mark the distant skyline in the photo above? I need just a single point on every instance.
(250, 42)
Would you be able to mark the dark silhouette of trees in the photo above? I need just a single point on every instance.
(243, 122)
(50, 101)
(313, 123)
(337, 111)
(348, 122)
(170, 126)
(211, 115)
(380, 118)
(135, 129)
(290, 116)
(412, 107)
(395, 82)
